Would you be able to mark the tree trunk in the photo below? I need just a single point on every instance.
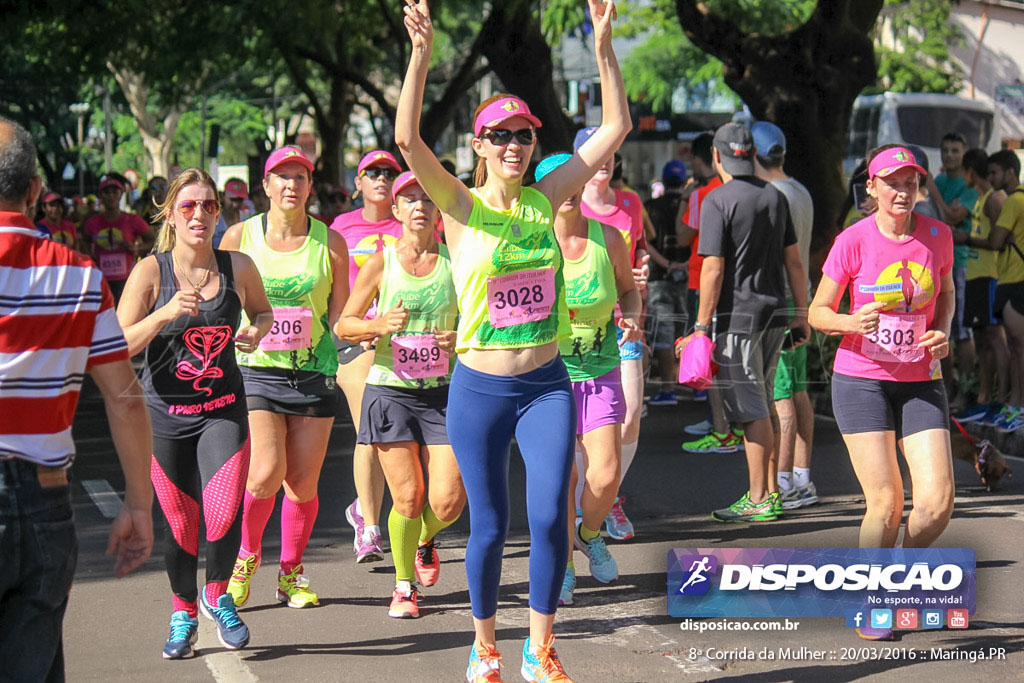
(805, 82)
(515, 47)
(157, 140)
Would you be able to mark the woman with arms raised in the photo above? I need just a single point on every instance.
(509, 379)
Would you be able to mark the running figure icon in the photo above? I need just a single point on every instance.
(697, 573)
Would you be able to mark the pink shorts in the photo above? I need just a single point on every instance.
(599, 402)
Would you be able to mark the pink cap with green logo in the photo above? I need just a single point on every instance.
(502, 110)
(890, 160)
(284, 155)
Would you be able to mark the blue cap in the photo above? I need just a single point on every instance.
(549, 164)
(768, 138)
(582, 136)
(673, 173)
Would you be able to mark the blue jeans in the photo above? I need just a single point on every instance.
(38, 554)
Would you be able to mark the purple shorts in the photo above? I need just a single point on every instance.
(599, 402)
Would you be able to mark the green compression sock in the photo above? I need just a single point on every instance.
(432, 524)
(404, 532)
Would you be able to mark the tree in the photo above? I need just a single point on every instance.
(805, 80)
(919, 61)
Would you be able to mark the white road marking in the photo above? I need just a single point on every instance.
(105, 498)
(227, 666)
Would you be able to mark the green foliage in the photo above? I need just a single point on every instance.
(921, 61)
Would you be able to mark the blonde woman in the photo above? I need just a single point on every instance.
(183, 307)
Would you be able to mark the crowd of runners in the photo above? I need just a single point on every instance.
(454, 319)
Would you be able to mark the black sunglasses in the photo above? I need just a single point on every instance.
(375, 172)
(503, 136)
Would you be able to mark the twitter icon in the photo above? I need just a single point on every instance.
(881, 618)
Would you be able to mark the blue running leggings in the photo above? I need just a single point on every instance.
(484, 411)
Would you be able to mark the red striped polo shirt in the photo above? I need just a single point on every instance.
(56, 321)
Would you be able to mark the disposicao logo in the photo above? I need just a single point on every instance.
(823, 582)
(697, 581)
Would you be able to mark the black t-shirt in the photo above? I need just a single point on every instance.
(746, 221)
(662, 211)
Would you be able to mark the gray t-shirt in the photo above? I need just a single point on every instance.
(801, 210)
(747, 222)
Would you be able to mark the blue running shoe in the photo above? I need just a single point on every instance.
(565, 596)
(541, 664)
(663, 398)
(484, 664)
(995, 410)
(1012, 424)
(972, 413)
(184, 632)
(231, 632)
(1006, 416)
(602, 565)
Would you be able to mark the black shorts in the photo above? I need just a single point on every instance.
(1012, 293)
(979, 303)
(873, 405)
(290, 392)
(391, 415)
(347, 351)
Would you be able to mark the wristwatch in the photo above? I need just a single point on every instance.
(702, 328)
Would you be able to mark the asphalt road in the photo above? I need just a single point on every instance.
(115, 629)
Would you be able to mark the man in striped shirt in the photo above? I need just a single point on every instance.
(57, 322)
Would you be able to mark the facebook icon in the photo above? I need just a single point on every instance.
(855, 618)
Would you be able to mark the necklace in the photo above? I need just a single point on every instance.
(196, 286)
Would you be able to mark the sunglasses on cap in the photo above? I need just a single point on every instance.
(375, 172)
(503, 136)
(187, 207)
(158, 186)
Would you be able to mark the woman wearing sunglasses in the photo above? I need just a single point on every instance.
(289, 377)
(183, 306)
(407, 390)
(366, 231)
(509, 379)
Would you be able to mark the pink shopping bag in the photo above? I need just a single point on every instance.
(695, 365)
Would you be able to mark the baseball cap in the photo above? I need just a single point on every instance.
(888, 161)
(378, 157)
(111, 182)
(403, 181)
(284, 155)
(768, 138)
(52, 197)
(502, 110)
(673, 173)
(549, 164)
(582, 135)
(735, 146)
(236, 188)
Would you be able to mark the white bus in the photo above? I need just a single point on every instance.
(919, 119)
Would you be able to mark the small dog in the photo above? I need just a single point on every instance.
(986, 458)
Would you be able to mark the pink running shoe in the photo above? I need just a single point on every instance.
(365, 551)
(404, 605)
(618, 525)
(428, 566)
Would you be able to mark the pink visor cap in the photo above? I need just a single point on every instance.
(378, 157)
(502, 110)
(891, 160)
(403, 181)
(284, 155)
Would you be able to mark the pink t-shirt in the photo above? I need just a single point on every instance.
(363, 238)
(115, 262)
(907, 277)
(627, 217)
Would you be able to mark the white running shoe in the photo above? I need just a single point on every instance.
(799, 496)
(700, 429)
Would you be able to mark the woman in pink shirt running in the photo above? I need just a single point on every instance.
(887, 386)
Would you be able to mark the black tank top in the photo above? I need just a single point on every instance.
(190, 375)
